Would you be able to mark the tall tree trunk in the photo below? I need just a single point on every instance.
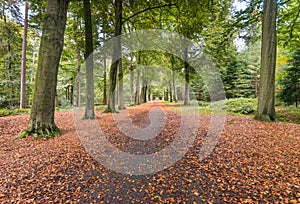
(78, 79)
(187, 77)
(115, 59)
(105, 81)
(23, 66)
(121, 90)
(170, 91)
(52, 41)
(137, 84)
(144, 87)
(266, 109)
(173, 78)
(89, 62)
(131, 83)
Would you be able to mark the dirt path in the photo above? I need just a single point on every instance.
(254, 162)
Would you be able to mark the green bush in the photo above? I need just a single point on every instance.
(241, 105)
(7, 112)
(4, 112)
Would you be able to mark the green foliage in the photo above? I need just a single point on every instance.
(242, 74)
(241, 105)
(288, 114)
(289, 84)
(8, 112)
(289, 24)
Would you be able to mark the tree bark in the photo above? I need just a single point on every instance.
(137, 84)
(173, 79)
(89, 62)
(23, 66)
(116, 57)
(42, 112)
(143, 97)
(131, 83)
(121, 90)
(187, 78)
(78, 79)
(266, 109)
(105, 81)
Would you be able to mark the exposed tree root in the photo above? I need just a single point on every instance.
(39, 132)
(109, 110)
(265, 118)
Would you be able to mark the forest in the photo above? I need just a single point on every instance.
(156, 101)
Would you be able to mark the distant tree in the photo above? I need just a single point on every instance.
(290, 83)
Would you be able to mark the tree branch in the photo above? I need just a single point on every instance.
(293, 24)
(147, 9)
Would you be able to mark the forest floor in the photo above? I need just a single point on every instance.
(253, 162)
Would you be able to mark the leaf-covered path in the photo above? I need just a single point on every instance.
(254, 162)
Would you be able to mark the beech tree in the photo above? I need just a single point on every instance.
(116, 58)
(89, 62)
(41, 122)
(266, 98)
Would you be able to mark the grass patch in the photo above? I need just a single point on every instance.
(288, 114)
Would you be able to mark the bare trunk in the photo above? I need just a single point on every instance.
(170, 91)
(89, 62)
(131, 85)
(105, 82)
(173, 78)
(144, 87)
(137, 85)
(266, 109)
(121, 91)
(52, 41)
(78, 79)
(115, 58)
(23, 66)
(187, 78)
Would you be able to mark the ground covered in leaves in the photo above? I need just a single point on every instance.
(253, 162)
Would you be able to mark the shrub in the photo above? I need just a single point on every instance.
(241, 105)
(4, 112)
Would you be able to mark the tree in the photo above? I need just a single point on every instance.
(89, 61)
(41, 122)
(266, 101)
(290, 83)
(115, 58)
(173, 78)
(23, 68)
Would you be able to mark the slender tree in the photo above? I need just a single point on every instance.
(78, 78)
(173, 78)
(266, 109)
(23, 66)
(89, 62)
(115, 58)
(42, 111)
(137, 83)
(121, 90)
(131, 68)
(187, 77)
